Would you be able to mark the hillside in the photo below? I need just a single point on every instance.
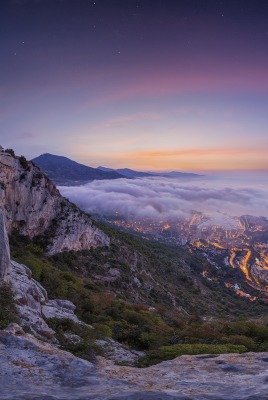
(140, 272)
(66, 172)
(147, 296)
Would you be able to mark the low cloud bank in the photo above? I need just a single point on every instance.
(168, 199)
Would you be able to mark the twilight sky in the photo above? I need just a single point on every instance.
(146, 84)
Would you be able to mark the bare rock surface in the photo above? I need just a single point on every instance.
(228, 376)
(32, 205)
(59, 309)
(33, 304)
(119, 353)
(31, 298)
(4, 250)
(31, 369)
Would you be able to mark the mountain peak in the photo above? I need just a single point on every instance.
(66, 172)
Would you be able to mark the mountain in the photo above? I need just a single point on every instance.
(176, 174)
(32, 206)
(130, 173)
(126, 172)
(147, 302)
(66, 172)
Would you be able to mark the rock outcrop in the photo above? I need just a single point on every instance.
(33, 370)
(117, 352)
(33, 304)
(32, 205)
(4, 250)
(30, 297)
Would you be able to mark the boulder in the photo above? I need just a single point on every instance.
(59, 309)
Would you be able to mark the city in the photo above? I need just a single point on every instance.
(229, 244)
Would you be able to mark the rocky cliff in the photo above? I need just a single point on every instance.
(4, 250)
(33, 304)
(31, 298)
(32, 205)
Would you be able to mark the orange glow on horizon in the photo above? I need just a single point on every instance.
(191, 159)
(195, 159)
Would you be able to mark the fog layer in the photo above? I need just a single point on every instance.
(170, 198)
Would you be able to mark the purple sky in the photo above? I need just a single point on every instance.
(149, 84)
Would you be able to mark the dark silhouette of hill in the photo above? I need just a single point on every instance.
(130, 173)
(63, 171)
(126, 172)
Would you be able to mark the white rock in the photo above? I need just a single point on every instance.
(119, 353)
(4, 251)
(32, 205)
(59, 309)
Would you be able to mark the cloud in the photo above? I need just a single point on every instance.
(167, 199)
(161, 85)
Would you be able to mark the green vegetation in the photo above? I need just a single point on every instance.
(145, 295)
(11, 152)
(23, 162)
(77, 338)
(8, 312)
(169, 352)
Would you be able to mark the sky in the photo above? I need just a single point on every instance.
(145, 84)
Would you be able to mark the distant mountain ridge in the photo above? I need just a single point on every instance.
(127, 173)
(63, 171)
(66, 172)
(130, 173)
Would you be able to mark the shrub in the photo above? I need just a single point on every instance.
(103, 329)
(241, 340)
(11, 152)
(23, 162)
(86, 347)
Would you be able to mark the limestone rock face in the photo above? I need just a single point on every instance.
(59, 309)
(30, 297)
(119, 353)
(32, 205)
(4, 251)
(33, 304)
(31, 370)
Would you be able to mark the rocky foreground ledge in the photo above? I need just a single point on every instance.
(31, 370)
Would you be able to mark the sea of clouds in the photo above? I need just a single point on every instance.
(170, 199)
